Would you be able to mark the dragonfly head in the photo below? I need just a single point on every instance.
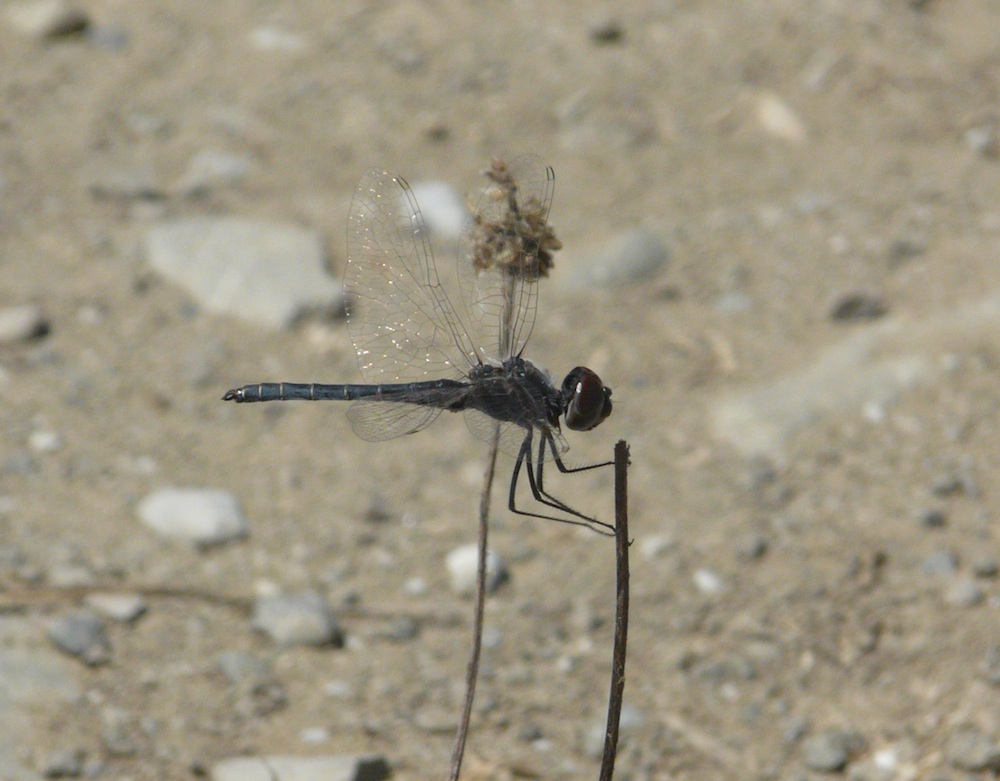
(586, 401)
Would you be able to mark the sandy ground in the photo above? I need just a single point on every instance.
(789, 154)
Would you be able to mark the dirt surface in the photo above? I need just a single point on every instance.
(790, 154)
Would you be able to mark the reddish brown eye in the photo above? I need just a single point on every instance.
(586, 401)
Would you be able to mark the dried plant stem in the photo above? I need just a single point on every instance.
(477, 633)
(621, 612)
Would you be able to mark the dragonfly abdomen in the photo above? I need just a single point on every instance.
(431, 393)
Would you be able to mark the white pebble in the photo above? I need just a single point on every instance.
(21, 323)
(707, 582)
(45, 441)
(123, 608)
(778, 119)
(46, 18)
(443, 209)
(463, 563)
(203, 516)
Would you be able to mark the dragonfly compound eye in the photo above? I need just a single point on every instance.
(586, 401)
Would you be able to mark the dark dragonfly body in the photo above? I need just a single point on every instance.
(404, 326)
(517, 392)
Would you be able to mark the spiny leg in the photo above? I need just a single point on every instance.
(548, 440)
(525, 455)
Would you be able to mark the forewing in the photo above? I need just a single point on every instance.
(402, 324)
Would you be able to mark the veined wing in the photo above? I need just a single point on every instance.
(403, 326)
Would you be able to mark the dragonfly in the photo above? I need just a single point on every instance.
(420, 355)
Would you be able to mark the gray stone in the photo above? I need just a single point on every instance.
(270, 38)
(297, 619)
(629, 257)
(63, 763)
(81, 634)
(870, 368)
(265, 273)
(462, 565)
(29, 671)
(22, 323)
(47, 18)
(124, 608)
(114, 180)
(119, 732)
(969, 749)
(708, 582)
(990, 666)
(242, 669)
(940, 562)
(202, 516)
(292, 768)
(209, 169)
(831, 751)
(964, 592)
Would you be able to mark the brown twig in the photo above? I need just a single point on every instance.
(621, 612)
(477, 633)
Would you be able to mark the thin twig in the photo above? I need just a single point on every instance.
(477, 633)
(621, 612)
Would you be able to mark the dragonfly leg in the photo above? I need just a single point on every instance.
(534, 472)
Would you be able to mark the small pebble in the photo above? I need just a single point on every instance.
(940, 562)
(906, 248)
(627, 258)
(202, 516)
(314, 735)
(858, 306)
(22, 323)
(708, 582)
(244, 670)
(81, 634)
(302, 618)
(45, 441)
(118, 731)
(209, 169)
(970, 750)
(111, 180)
(964, 593)
(442, 207)
(984, 140)
(606, 31)
(314, 768)
(47, 18)
(932, 519)
(990, 666)
(415, 587)
(463, 564)
(269, 38)
(124, 608)
(656, 545)
(831, 751)
(985, 567)
(403, 628)
(753, 546)
(64, 763)
(778, 119)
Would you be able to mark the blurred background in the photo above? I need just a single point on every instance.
(779, 224)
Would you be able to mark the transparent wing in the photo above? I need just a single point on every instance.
(401, 321)
(511, 434)
(504, 252)
(376, 421)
